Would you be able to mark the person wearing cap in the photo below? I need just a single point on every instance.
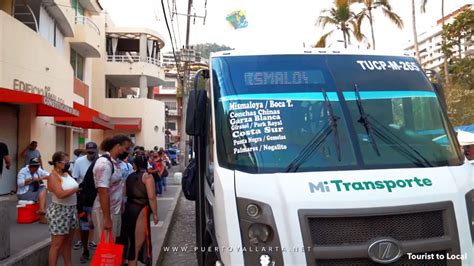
(31, 151)
(86, 226)
(30, 184)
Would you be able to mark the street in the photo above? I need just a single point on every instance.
(179, 249)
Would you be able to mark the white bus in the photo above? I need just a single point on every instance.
(325, 157)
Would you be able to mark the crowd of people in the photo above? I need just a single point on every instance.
(114, 191)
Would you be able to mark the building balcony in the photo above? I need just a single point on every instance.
(63, 14)
(125, 70)
(91, 5)
(86, 39)
(175, 113)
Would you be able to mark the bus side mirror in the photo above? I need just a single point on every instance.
(196, 113)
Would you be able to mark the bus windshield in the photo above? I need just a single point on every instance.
(300, 113)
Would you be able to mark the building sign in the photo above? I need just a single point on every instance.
(52, 103)
(30, 88)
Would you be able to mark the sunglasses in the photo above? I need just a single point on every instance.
(91, 152)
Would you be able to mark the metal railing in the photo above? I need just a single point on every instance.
(133, 59)
(87, 21)
(123, 58)
(154, 61)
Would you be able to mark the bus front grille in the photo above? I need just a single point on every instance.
(331, 231)
(344, 236)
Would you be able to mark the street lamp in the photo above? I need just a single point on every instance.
(167, 136)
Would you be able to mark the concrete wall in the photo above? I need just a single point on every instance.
(136, 69)
(20, 59)
(152, 114)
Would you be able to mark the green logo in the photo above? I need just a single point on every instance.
(388, 185)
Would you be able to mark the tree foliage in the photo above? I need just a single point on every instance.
(342, 18)
(207, 48)
(460, 102)
(460, 91)
(458, 32)
(367, 13)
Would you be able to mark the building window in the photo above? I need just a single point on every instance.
(77, 63)
(77, 7)
(171, 126)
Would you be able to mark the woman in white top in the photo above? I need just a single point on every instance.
(61, 213)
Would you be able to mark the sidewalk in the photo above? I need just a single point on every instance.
(29, 243)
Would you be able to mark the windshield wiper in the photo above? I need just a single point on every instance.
(316, 142)
(333, 123)
(387, 136)
(365, 121)
(313, 145)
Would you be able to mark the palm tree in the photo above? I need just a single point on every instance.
(415, 35)
(386, 9)
(342, 18)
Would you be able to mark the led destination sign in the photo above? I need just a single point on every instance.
(260, 78)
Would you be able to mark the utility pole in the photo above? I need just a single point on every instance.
(187, 56)
(184, 142)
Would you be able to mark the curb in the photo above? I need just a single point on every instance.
(158, 249)
(36, 254)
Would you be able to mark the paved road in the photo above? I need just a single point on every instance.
(179, 249)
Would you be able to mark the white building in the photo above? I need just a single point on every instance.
(65, 74)
(429, 43)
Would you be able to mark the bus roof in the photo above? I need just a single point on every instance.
(308, 51)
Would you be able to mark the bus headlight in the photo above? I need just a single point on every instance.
(259, 233)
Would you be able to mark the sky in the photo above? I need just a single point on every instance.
(279, 24)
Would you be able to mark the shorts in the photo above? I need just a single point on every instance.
(31, 195)
(99, 221)
(85, 219)
(61, 219)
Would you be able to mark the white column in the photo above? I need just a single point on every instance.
(143, 87)
(143, 47)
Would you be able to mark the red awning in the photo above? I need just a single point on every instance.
(127, 123)
(44, 106)
(89, 118)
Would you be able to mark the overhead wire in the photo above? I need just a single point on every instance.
(177, 23)
(171, 37)
(172, 26)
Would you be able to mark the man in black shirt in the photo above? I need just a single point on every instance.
(4, 157)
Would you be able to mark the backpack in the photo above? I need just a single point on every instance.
(189, 181)
(88, 192)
